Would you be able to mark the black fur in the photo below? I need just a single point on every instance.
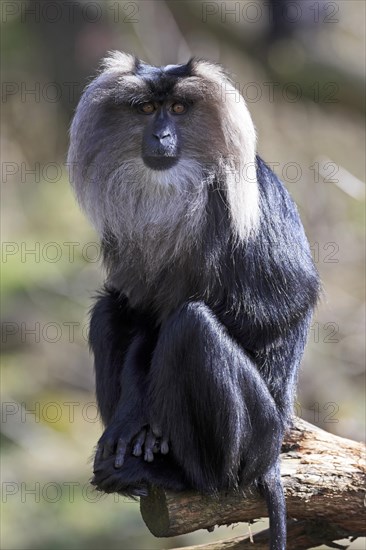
(218, 374)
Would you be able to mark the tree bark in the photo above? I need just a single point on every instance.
(324, 483)
(301, 535)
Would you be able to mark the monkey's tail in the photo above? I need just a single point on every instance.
(271, 487)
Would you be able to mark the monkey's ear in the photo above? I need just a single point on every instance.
(119, 61)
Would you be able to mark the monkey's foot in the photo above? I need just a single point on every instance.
(137, 476)
(116, 441)
(110, 480)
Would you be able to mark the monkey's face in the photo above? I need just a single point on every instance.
(158, 115)
(162, 139)
(165, 128)
(145, 131)
(161, 115)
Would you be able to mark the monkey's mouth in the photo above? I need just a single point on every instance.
(160, 162)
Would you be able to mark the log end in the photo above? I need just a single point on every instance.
(154, 512)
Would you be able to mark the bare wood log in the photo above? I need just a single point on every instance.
(323, 477)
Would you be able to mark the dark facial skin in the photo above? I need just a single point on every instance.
(161, 141)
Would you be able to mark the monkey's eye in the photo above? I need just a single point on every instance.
(147, 108)
(178, 108)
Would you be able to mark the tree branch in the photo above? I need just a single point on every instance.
(323, 477)
(301, 535)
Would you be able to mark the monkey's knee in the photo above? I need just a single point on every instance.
(196, 314)
(195, 328)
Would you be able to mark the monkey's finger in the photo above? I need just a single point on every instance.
(164, 447)
(138, 442)
(120, 453)
(108, 448)
(156, 430)
(148, 456)
(149, 445)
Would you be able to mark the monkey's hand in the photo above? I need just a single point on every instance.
(118, 441)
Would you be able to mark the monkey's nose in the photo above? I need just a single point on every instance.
(162, 135)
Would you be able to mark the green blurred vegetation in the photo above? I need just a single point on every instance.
(49, 426)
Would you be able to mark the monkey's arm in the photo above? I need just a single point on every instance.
(270, 289)
(122, 343)
(112, 328)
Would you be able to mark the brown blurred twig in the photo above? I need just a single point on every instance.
(288, 60)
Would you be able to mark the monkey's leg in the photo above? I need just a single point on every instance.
(128, 430)
(122, 353)
(125, 461)
(122, 345)
(210, 400)
(112, 329)
(222, 422)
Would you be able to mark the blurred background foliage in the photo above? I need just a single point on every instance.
(302, 73)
